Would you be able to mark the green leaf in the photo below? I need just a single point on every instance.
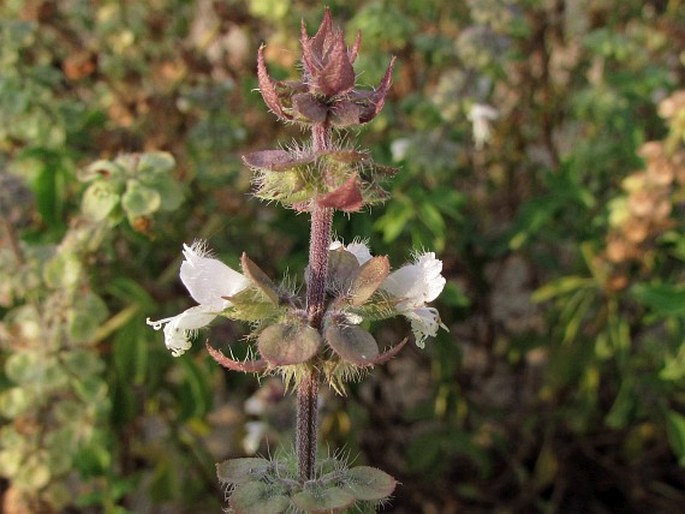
(99, 200)
(196, 390)
(372, 484)
(169, 190)
(85, 317)
(24, 367)
(559, 287)
(258, 498)
(139, 200)
(351, 343)
(675, 429)
(288, 343)
(101, 168)
(393, 222)
(63, 270)
(665, 299)
(34, 473)
(15, 401)
(155, 163)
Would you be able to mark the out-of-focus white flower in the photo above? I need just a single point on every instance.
(480, 117)
(399, 149)
(208, 280)
(254, 433)
(413, 286)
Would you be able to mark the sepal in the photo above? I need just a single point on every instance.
(346, 198)
(368, 279)
(251, 305)
(351, 343)
(287, 343)
(259, 279)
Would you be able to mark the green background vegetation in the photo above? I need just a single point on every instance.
(561, 384)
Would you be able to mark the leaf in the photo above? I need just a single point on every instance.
(370, 484)
(368, 279)
(675, 429)
(99, 169)
(140, 200)
(240, 471)
(259, 278)
(24, 367)
(85, 317)
(665, 299)
(63, 270)
(351, 343)
(323, 500)
(170, 191)
(156, 163)
(99, 200)
(258, 498)
(288, 343)
(196, 390)
(561, 286)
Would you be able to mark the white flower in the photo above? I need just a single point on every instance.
(480, 116)
(413, 285)
(254, 433)
(208, 280)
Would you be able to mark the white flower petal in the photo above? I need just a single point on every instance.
(207, 279)
(416, 284)
(360, 251)
(425, 322)
(176, 340)
(177, 329)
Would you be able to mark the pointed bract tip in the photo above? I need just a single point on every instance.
(267, 87)
(377, 98)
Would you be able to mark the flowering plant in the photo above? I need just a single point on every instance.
(322, 335)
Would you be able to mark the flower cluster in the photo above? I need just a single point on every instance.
(360, 288)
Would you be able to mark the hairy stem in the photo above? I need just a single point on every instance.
(308, 390)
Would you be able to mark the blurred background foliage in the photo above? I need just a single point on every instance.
(561, 384)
